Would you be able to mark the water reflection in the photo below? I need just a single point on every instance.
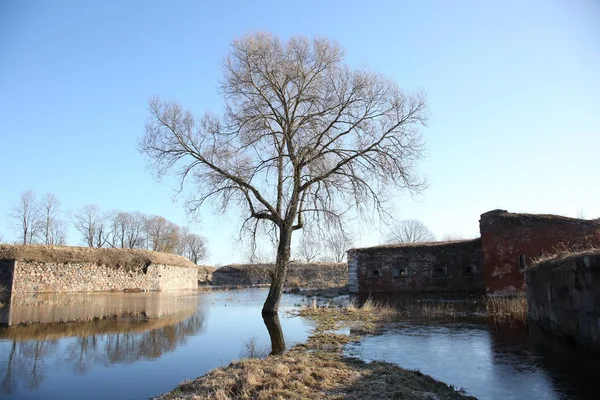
(142, 343)
(117, 328)
(489, 361)
(275, 333)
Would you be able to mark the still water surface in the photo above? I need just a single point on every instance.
(159, 340)
(506, 361)
(143, 344)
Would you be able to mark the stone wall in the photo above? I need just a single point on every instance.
(511, 241)
(41, 277)
(419, 267)
(563, 296)
(304, 275)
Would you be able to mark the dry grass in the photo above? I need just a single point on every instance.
(127, 258)
(507, 308)
(317, 369)
(564, 254)
(302, 375)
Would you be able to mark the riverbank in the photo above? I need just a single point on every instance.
(317, 369)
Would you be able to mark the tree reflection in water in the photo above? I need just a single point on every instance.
(275, 333)
(28, 355)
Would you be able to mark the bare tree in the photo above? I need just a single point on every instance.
(410, 231)
(53, 229)
(303, 138)
(337, 243)
(309, 248)
(27, 218)
(89, 221)
(192, 245)
(1, 239)
(162, 235)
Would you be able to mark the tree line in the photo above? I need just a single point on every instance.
(42, 221)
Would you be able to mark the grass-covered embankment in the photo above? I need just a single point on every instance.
(317, 369)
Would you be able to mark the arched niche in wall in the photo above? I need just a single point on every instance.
(439, 270)
(470, 269)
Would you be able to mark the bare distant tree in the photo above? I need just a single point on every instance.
(193, 246)
(410, 231)
(89, 221)
(309, 248)
(53, 229)
(337, 243)
(162, 235)
(27, 218)
(303, 137)
(1, 239)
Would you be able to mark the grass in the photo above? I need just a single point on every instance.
(317, 369)
(126, 258)
(501, 308)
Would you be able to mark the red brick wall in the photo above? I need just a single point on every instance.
(505, 237)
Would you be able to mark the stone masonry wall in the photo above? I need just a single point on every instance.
(511, 241)
(426, 267)
(40, 277)
(305, 275)
(563, 296)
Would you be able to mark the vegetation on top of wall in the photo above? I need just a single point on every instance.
(564, 258)
(416, 245)
(127, 258)
(539, 217)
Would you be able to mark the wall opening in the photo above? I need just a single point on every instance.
(471, 269)
(439, 270)
(399, 272)
(374, 273)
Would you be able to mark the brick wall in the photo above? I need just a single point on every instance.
(427, 267)
(511, 241)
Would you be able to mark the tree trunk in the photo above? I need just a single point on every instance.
(271, 305)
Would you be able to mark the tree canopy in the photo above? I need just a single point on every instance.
(302, 136)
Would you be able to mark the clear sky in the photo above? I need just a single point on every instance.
(513, 89)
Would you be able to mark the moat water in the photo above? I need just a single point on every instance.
(138, 345)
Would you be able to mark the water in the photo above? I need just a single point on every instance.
(488, 361)
(139, 345)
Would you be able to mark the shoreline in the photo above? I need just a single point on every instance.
(316, 369)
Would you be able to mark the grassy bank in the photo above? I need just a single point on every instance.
(317, 369)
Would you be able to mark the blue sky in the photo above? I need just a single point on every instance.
(513, 89)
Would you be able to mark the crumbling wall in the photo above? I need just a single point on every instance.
(512, 241)
(420, 267)
(300, 275)
(563, 296)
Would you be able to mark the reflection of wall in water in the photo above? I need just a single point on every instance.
(28, 361)
(50, 307)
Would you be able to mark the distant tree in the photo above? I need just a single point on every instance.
(409, 231)
(192, 245)
(162, 235)
(89, 221)
(337, 243)
(27, 218)
(1, 239)
(134, 235)
(303, 137)
(53, 229)
(309, 248)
